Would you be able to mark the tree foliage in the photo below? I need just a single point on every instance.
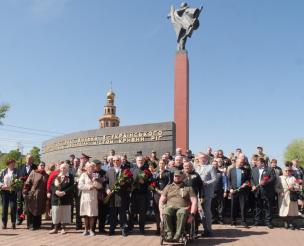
(12, 155)
(35, 152)
(3, 109)
(295, 150)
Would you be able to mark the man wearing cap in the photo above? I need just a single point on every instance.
(175, 201)
(103, 209)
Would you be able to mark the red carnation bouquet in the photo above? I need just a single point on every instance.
(124, 177)
(265, 178)
(152, 186)
(145, 175)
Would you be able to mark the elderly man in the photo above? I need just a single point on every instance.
(208, 176)
(140, 194)
(119, 200)
(174, 202)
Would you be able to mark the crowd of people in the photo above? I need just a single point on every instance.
(204, 188)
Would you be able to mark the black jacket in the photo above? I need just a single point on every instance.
(68, 187)
(22, 170)
(266, 191)
(163, 180)
(194, 180)
(139, 188)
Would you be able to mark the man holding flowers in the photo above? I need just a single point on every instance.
(240, 185)
(263, 182)
(117, 194)
(140, 195)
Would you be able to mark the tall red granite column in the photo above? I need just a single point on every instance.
(181, 99)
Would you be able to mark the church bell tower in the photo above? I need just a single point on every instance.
(109, 118)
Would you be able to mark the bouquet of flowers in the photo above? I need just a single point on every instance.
(152, 186)
(124, 177)
(300, 183)
(265, 178)
(145, 175)
(16, 184)
(248, 184)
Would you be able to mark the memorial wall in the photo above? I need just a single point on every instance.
(124, 140)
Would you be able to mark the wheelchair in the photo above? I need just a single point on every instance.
(187, 236)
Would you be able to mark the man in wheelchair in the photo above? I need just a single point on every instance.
(174, 204)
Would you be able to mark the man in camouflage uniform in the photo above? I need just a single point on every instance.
(174, 202)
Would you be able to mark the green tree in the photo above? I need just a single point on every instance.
(12, 155)
(295, 150)
(35, 152)
(3, 109)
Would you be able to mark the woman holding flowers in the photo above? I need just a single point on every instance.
(288, 202)
(62, 189)
(89, 185)
(34, 193)
(8, 193)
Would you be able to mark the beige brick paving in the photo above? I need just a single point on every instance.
(223, 235)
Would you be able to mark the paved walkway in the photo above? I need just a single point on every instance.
(223, 235)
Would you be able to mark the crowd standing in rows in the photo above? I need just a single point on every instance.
(116, 190)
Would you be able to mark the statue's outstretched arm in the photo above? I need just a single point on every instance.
(171, 12)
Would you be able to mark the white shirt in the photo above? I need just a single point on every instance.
(260, 172)
(8, 178)
(28, 167)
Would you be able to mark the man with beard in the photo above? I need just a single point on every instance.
(174, 203)
(140, 194)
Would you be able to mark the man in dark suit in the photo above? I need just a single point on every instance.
(140, 194)
(23, 172)
(263, 181)
(118, 200)
(239, 183)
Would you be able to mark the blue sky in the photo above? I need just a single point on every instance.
(57, 58)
